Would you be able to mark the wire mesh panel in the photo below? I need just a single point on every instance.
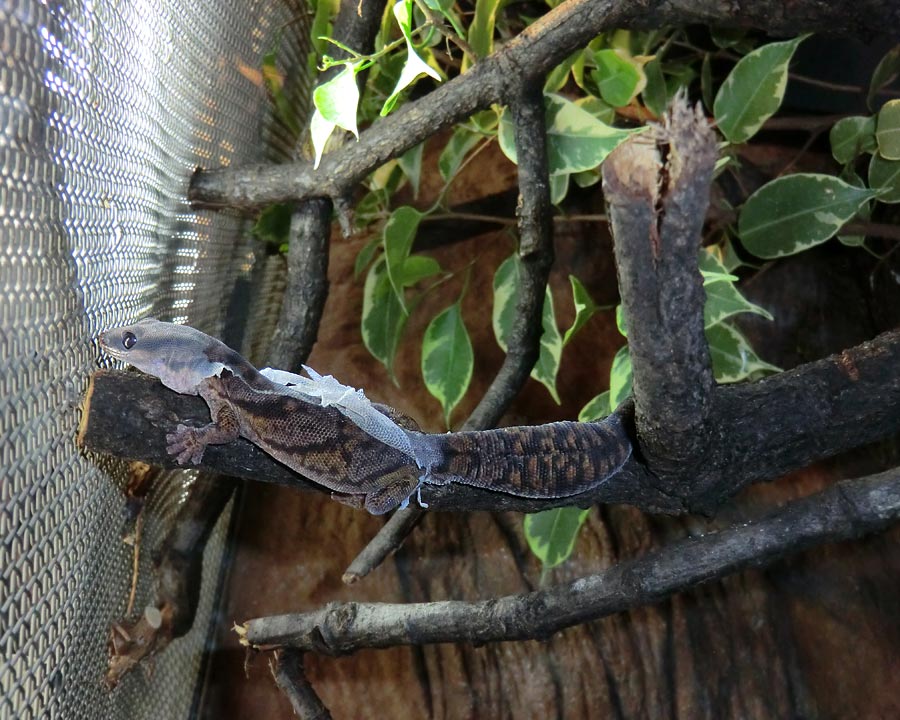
(106, 108)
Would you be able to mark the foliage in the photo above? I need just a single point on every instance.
(595, 99)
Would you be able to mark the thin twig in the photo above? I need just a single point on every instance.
(287, 669)
(536, 257)
(385, 541)
(873, 229)
(136, 561)
(844, 511)
(306, 289)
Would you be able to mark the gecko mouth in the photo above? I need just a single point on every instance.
(109, 349)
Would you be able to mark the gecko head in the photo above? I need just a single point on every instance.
(176, 354)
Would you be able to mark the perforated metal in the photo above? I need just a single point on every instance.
(106, 108)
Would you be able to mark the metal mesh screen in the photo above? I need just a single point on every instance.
(105, 110)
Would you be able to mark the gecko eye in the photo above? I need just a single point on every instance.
(128, 340)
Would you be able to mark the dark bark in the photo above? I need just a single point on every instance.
(535, 255)
(844, 511)
(307, 285)
(762, 430)
(534, 52)
(657, 188)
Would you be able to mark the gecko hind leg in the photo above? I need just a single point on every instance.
(396, 492)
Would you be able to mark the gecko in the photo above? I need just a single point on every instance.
(368, 455)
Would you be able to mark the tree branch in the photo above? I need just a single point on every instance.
(287, 669)
(844, 511)
(657, 187)
(773, 426)
(535, 225)
(534, 52)
(307, 285)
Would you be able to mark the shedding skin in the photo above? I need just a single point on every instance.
(369, 455)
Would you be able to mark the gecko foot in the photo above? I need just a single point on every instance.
(185, 445)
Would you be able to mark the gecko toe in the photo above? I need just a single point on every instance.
(185, 446)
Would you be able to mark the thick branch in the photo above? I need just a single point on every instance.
(535, 51)
(657, 187)
(846, 510)
(770, 427)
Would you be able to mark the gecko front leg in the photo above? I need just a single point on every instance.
(187, 444)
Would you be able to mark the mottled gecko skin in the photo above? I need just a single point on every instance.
(537, 461)
(544, 461)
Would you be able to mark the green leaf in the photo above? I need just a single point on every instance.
(596, 409)
(576, 140)
(727, 38)
(506, 299)
(460, 144)
(411, 164)
(884, 74)
(551, 534)
(706, 82)
(732, 357)
(559, 188)
(547, 365)
(585, 308)
(414, 65)
(796, 212)
(383, 317)
(447, 359)
(655, 94)
(728, 255)
(753, 90)
(336, 103)
(417, 268)
(621, 325)
(852, 136)
(365, 255)
(620, 378)
(884, 175)
(481, 31)
(604, 112)
(399, 233)
(373, 205)
(585, 179)
(557, 77)
(320, 130)
(337, 99)
(319, 29)
(722, 298)
(619, 78)
(273, 224)
(888, 132)
(848, 174)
